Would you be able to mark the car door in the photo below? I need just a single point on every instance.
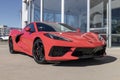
(27, 38)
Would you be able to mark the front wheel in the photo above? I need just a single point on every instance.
(38, 52)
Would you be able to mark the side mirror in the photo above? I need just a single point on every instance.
(27, 29)
(78, 30)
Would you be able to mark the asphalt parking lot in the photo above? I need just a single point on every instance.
(23, 67)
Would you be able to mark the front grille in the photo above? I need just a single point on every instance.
(57, 51)
(79, 52)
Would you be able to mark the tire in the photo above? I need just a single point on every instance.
(11, 46)
(38, 52)
(1, 39)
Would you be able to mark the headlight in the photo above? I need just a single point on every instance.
(100, 37)
(53, 36)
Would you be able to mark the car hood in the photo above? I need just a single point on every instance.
(76, 36)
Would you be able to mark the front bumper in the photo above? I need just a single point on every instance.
(57, 50)
(68, 53)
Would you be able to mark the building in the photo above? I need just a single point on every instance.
(101, 16)
(4, 30)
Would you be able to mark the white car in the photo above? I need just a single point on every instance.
(4, 38)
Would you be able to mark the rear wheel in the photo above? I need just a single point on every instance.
(11, 46)
(38, 52)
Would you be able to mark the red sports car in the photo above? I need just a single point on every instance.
(47, 41)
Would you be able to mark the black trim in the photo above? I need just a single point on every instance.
(58, 51)
(98, 51)
(18, 37)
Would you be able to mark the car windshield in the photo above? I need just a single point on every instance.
(55, 27)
